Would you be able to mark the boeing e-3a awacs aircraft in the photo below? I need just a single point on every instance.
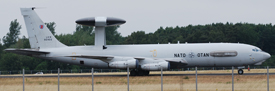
(140, 58)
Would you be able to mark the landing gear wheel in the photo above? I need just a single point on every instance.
(146, 73)
(133, 73)
(240, 71)
(140, 73)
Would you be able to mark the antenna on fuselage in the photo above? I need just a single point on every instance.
(100, 23)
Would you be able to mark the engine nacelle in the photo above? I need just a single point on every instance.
(156, 66)
(132, 64)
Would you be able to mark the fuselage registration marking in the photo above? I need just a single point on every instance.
(73, 58)
(48, 38)
(198, 54)
(154, 53)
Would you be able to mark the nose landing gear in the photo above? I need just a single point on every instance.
(240, 71)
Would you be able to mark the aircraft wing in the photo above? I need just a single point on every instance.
(28, 52)
(92, 56)
(100, 57)
(177, 63)
(139, 58)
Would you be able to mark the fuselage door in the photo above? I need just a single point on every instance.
(253, 54)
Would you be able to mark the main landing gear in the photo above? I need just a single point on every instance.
(135, 72)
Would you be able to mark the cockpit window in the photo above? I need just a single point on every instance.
(256, 50)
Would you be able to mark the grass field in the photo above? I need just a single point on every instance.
(164, 72)
(144, 83)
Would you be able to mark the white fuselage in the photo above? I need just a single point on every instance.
(197, 54)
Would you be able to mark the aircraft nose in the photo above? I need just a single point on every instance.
(266, 56)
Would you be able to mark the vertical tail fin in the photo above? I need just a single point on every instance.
(39, 35)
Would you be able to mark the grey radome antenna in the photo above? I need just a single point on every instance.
(100, 23)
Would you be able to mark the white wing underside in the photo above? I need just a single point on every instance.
(171, 60)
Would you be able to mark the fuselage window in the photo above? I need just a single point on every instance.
(224, 53)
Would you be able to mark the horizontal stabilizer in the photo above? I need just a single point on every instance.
(28, 52)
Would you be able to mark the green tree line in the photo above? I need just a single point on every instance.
(260, 35)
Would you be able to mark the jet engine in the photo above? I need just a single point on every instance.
(156, 66)
(132, 64)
